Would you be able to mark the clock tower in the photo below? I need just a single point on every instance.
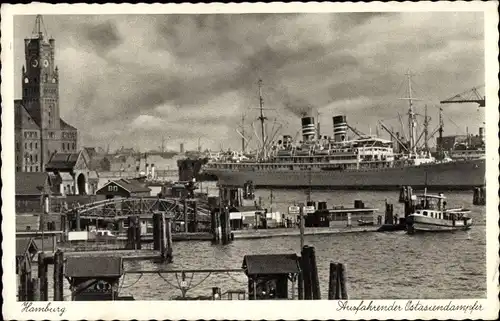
(40, 81)
(40, 131)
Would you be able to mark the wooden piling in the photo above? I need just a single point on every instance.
(163, 242)
(306, 273)
(137, 239)
(213, 225)
(315, 288)
(24, 279)
(170, 249)
(186, 221)
(42, 275)
(77, 220)
(342, 278)
(300, 284)
(195, 216)
(58, 276)
(156, 231)
(332, 281)
(35, 290)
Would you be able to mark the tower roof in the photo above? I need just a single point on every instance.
(39, 28)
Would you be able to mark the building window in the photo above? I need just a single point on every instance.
(17, 146)
(73, 145)
(31, 158)
(36, 168)
(36, 145)
(25, 145)
(63, 146)
(30, 169)
(31, 145)
(36, 158)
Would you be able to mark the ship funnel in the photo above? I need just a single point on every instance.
(308, 129)
(481, 133)
(340, 128)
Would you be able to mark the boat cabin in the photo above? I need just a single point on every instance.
(434, 206)
(430, 202)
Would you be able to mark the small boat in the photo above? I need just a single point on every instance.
(431, 215)
(365, 223)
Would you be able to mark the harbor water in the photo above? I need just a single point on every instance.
(378, 265)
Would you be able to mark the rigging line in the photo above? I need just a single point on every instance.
(234, 279)
(168, 282)
(209, 273)
(128, 286)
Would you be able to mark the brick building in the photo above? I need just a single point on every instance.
(39, 129)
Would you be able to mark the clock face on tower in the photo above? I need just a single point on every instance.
(45, 63)
(34, 62)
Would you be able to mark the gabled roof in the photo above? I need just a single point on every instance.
(88, 267)
(27, 183)
(271, 264)
(62, 161)
(22, 117)
(130, 185)
(65, 126)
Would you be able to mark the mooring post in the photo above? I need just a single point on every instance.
(195, 216)
(35, 289)
(332, 281)
(58, 275)
(186, 221)
(42, 275)
(77, 218)
(54, 242)
(156, 231)
(138, 233)
(213, 225)
(300, 285)
(24, 279)
(342, 277)
(306, 270)
(163, 242)
(170, 250)
(316, 291)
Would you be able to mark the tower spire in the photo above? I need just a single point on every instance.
(39, 28)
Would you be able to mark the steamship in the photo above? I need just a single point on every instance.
(341, 162)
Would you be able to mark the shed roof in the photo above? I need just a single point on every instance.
(24, 245)
(88, 267)
(130, 185)
(271, 264)
(250, 208)
(27, 183)
(65, 126)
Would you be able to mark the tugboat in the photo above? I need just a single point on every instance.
(431, 215)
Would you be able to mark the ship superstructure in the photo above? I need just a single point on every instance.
(342, 161)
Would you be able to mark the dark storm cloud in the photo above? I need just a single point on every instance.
(137, 77)
(103, 36)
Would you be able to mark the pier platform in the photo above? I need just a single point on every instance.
(280, 232)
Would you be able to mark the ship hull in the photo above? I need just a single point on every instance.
(460, 175)
(424, 224)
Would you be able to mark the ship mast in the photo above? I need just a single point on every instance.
(243, 133)
(440, 147)
(262, 119)
(411, 116)
(426, 130)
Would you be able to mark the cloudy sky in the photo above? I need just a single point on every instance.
(131, 79)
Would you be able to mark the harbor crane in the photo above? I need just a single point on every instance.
(469, 96)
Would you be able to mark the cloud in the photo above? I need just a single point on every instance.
(131, 79)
